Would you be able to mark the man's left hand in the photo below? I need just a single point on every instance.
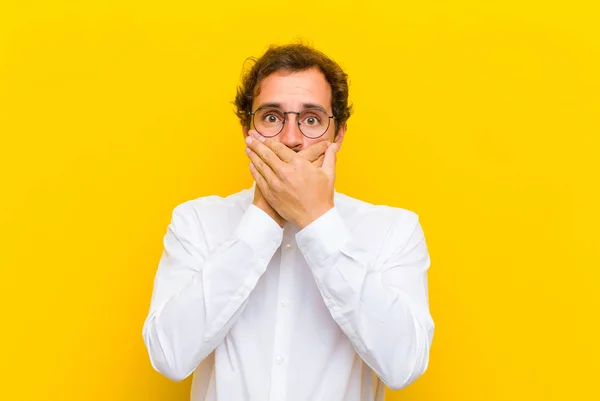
(299, 191)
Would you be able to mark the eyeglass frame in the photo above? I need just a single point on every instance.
(285, 118)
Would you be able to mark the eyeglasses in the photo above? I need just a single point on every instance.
(269, 121)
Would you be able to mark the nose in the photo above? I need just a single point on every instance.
(291, 136)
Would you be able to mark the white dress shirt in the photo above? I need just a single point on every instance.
(259, 312)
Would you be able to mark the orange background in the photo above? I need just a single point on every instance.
(483, 117)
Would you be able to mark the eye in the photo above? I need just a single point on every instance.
(312, 120)
(271, 118)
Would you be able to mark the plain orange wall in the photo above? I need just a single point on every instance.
(482, 116)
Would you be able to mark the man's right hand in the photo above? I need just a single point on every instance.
(314, 154)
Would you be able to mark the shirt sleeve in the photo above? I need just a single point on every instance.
(199, 292)
(379, 301)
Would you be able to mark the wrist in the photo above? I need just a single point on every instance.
(265, 207)
(307, 219)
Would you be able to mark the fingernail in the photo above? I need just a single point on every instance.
(248, 140)
(247, 150)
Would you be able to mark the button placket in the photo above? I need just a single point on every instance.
(279, 370)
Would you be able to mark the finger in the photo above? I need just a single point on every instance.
(315, 151)
(259, 164)
(259, 179)
(283, 152)
(319, 161)
(330, 160)
(264, 152)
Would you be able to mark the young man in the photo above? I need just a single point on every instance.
(289, 290)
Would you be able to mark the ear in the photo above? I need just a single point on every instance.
(339, 138)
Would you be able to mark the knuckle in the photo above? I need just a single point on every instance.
(276, 185)
(288, 172)
(300, 163)
(291, 167)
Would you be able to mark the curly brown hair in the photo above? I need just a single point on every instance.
(293, 57)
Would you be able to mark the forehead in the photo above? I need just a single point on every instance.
(292, 89)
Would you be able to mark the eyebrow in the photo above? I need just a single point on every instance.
(304, 106)
(312, 106)
(276, 105)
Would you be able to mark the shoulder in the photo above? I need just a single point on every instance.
(213, 209)
(385, 225)
(388, 230)
(358, 211)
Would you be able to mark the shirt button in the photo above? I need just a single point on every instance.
(279, 360)
(287, 247)
(283, 303)
(329, 302)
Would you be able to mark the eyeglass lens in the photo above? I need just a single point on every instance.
(269, 122)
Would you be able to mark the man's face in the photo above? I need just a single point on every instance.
(296, 91)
